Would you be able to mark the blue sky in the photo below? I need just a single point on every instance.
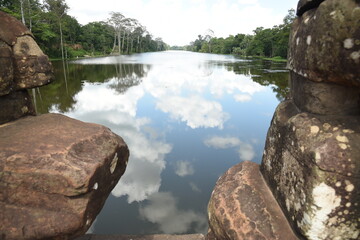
(178, 22)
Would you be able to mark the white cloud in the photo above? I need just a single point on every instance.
(179, 22)
(242, 97)
(118, 111)
(195, 111)
(184, 168)
(222, 142)
(162, 209)
(246, 152)
(248, 2)
(194, 187)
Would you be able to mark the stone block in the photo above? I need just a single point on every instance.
(325, 43)
(11, 28)
(312, 165)
(15, 105)
(306, 5)
(55, 175)
(6, 70)
(143, 237)
(32, 67)
(23, 63)
(243, 207)
(324, 98)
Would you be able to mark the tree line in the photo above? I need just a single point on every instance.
(265, 42)
(60, 35)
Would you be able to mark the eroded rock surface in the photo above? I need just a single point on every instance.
(306, 5)
(324, 98)
(325, 43)
(312, 163)
(24, 65)
(56, 173)
(15, 105)
(143, 237)
(243, 207)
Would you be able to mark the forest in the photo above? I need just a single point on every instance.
(60, 35)
(265, 42)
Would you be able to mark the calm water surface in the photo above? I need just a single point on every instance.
(186, 117)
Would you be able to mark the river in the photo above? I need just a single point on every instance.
(186, 117)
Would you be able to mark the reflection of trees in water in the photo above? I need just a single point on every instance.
(60, 94)
(265, 73)
(128, 75)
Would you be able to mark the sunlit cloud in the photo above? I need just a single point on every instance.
(195, 111)
(242, 97)
(222, 142)
(227, 82)
(184, 168)
(180, 22)
(194, 187)
(102, 98)
(118, 111)
(245, 150)
(162, 209)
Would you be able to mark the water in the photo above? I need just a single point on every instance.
(186, 117)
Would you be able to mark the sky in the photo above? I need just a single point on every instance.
(178, 22)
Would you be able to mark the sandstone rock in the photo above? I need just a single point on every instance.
(324, 98)
(6, 70)
(15, 105)
(311, 164)
(325, 43)
(242, 207)
(143, 237)
(55, 175)
(11, 28)
(24, 65)
(306, 5)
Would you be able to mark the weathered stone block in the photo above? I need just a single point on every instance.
(243, 207)
(6, 70)
(15, 105)
(11, 28)
(312, 165)
(55, 175)
(32, 67)
(325, 43)
(23, 63)
(324, 98)
(143, 237)
(306, 5)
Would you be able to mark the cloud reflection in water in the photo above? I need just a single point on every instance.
(162, 209)
(246, 150)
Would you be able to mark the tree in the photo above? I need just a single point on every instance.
(208, 36)
(116, 20)
(58, 9)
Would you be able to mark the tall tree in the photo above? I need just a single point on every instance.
(116, 20)
(58, 9)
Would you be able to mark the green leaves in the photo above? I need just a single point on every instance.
(267, 42)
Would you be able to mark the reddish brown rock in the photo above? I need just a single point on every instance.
(143, 237)
(15, 105)
(23, 63)
(325, 43)
(6, 70)
(311, 164)
(243, 207)
(56, 174)
(11, 29)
